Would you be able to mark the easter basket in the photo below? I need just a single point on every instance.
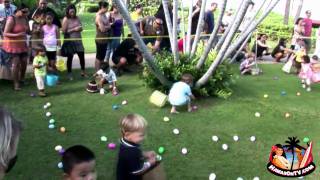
(61, 63)
(158, 98)
(92, 87)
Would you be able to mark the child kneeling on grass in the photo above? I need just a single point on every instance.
(107, 75)
(180, 93)
(79, 163)
(246, 65)
(40, 65)
(132, 162)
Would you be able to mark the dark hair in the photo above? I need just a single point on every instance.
(103, 4)
(315, 57)
(20, 7)
(306, 59)
(40, 48)
(297, 22)
(71, 6)
(105, 67)
(279, 146)
(50, 14)
(75, 155)
(138, 6)
(282, 42)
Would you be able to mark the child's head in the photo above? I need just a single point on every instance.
(187, 78)
(49, 18)
(305, 59)
(79, 163)
(133, 128)
(40, 50)
(105, 66)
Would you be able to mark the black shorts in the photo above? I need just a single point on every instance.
(116, 59)
(51, 55)
(101, 49)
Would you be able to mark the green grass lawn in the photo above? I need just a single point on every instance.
(89, 116)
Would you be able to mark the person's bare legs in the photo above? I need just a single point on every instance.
(15, 72)
(97, 64)
(174, 110)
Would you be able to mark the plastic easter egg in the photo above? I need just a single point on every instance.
(235, 138)
(225, 147)
(115, 107)
(161, 150)
(215, 138)
(103, 138)
(158, 157)
(184, 151)
(62, 129)
(51, 126)
(212, 176)
(306, 140)
(239, 178)
(60, 165)
(257, 114)
(166, 119)
(256, 178)
(48, 114)
(125, 102)
(266, 96)
(52, 121)
(102, 91)
(33, 94)
(252, 138)
(58, 148)
(287, 115)
(48, 104)
(61, 151)
(283, 93)
(45, 107)
(176, 131)
(298, 94)
(111, 146)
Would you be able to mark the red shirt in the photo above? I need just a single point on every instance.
(307, 27)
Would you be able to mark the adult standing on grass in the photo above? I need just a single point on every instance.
(102, 33)
(137, 15)
(15, 36)
(298, 32)
(152, 26)
(209, 18)
(10, 130)
(165, 42)
(72, 28)
(116, 22)
(37, 14)
(6, 9)
(308, 30)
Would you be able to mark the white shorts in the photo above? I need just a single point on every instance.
(40, 82)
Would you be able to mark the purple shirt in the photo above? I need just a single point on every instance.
(307, 27)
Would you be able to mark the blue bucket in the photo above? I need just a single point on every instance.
(51, 80)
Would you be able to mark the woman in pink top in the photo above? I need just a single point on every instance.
(308, 29)
(15, 43)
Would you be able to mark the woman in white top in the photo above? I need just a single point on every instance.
(317, 51)
(298, 32)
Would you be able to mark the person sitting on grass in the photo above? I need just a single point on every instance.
(79, 163)
(107, 75)
(132, 162)
(180, 93)
(280, 50)
(247, 64)
(40, 65)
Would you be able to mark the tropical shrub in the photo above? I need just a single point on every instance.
(150, 7)
(218, 85)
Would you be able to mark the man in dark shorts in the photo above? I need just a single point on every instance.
(126, 53)
(43, 8)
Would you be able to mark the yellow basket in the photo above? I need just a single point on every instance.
(61, 64)
(158, 98)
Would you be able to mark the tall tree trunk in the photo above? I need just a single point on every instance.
(298, 11)
(174, 45)
(199, 28)
(143, 48)
(287, 12)
(225, 34)
(252, 27)
(165, 4)
(213, 36)
(240, 49)
(189, 27)
(242, 12)
(183, 27)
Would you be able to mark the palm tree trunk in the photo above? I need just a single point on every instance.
(189, 27)
(225, 34)
(252, 27)
(184, 27)
(174, 45)
(213, 36)
(287, 12)
(143, 48)
(242, 12)
(298, 11)
(199, 28)
(240, 49)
